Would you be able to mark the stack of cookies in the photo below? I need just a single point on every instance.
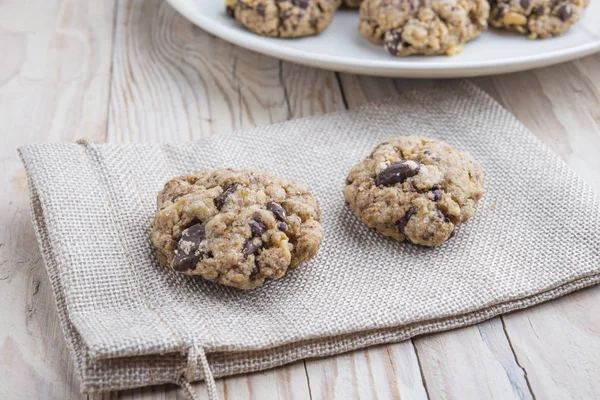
(409, 27)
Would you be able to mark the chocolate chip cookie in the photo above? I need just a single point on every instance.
(427, 27)
(536, 18)
(283, 18)
(416, 189)
(235, 227)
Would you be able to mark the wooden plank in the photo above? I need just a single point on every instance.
(54, 81)
(471, 362)
(557, 343)
(382, 372)
(174, 82)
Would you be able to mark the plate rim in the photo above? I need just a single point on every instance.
(378, 67)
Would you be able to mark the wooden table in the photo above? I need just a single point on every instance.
(135, 70)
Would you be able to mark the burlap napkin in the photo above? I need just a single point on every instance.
(130, 322)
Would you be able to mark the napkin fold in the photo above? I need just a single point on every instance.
(130, 322)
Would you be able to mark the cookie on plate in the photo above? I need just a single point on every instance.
(427, 27)
(416, 189)
(537, 18)
(235, 227)
(283, 18)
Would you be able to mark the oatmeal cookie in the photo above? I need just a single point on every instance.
(235, 227)
(536, 18)
(283, 18)
(416, 189)
(408, 27)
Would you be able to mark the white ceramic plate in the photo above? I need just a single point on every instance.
(342, 48)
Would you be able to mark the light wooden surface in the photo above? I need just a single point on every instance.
(137, 71)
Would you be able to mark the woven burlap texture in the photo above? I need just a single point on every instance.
(130, 322)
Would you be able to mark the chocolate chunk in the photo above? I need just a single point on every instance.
(260, 10)
(188, 253)
(282, 226)
(257, 217)
(277, 210)
(220, 200)
(397, 172)
(230, 11)
(251, 248)
(401, 223)
(525, 4)
(539, 10)
(393, 43)
(565, 12)
(437, 195)
(303, 4)
(257, 228)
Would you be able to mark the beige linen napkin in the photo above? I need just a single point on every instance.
(130, 322)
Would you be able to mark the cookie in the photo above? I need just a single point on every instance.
(426, 27)
(416, 189)
(283, 18)
(536, 18)
(235, 227)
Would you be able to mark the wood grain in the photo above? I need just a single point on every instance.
(54, 79)
(382, 372)
(174, 82)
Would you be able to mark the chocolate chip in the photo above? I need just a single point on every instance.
(539, 10)
(277, 210)
(282, 226)
(260, 10)
(303, 4)
(565, 12)
(220, 200)
(437, 195)
(257, 228)
(427, 152)
(525, 4)
(397, 172)
(257, 217)
(453, 233)
(401, 223)
(251, 248)
(188, 253)
(348, 182)
(393, 42)
(230, 11)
